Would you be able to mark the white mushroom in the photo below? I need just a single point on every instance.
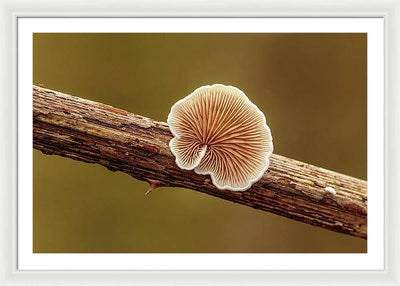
(330, 190)
(218, 131)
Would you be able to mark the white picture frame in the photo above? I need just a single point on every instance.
(10, 275)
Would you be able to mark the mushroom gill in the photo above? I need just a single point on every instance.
(218, 131)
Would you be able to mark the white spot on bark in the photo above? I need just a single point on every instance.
(330, 190)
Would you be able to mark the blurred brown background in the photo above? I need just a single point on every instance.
(311, 87)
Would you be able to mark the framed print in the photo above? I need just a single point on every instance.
(162, 147)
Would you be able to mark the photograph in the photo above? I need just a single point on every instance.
(199, 142)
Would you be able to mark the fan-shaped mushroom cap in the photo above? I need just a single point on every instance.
(218, 131)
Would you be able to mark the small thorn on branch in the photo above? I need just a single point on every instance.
(154, 184)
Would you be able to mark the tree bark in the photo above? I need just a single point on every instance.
(93, 132)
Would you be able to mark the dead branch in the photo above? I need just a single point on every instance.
(93, 132)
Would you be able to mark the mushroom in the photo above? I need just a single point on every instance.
(218, 131)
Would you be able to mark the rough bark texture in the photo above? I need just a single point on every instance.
(93, 132)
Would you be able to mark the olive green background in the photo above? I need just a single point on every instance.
(311, 87)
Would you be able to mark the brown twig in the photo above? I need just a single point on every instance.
(92, 132)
